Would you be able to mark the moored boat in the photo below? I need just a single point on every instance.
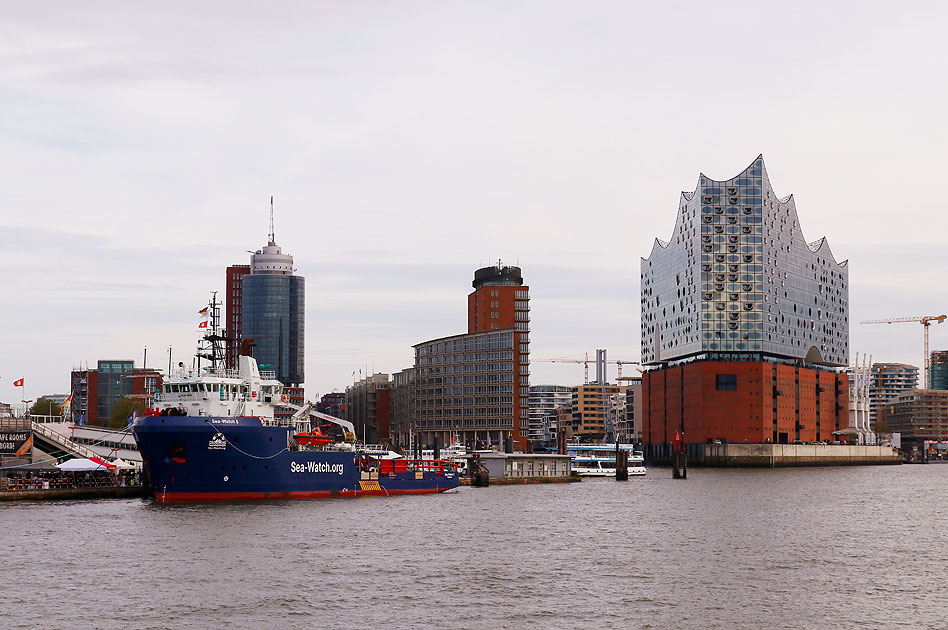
(215, 437)
(599, 460)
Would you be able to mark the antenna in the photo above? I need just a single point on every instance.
(272, 235)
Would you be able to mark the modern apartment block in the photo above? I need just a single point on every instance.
(939, 366)
(95, 392)
(743, 321)
(544, 401)
(476, 386)
(888, 380)
(920, 415)
(465, 388)
(597, 409)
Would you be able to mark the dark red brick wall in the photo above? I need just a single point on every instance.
(687, 397)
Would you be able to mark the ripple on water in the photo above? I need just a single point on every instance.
(828, 548)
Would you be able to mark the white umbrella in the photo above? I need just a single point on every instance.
(79, 464)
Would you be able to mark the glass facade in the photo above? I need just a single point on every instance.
(114, 383)
(272, 312)
(738, 281)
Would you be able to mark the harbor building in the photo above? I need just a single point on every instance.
(744, 322)
(368, 408)
(597, 410)
(264, 310)
(887, 381)
(939, 367)
(95, 392)
(544, 401)
(476, 386)
(919, 415)
(403, 400)
(333, 404)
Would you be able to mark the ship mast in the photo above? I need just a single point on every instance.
(211, 346)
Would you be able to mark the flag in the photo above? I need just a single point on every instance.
(203, 324)
(66, 404)
(18, 383)
(203, 311)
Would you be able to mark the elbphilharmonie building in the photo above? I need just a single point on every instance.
(737, 280)
(743, 320)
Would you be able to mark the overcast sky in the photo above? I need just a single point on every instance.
(409, 143)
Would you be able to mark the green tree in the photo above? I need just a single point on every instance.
(124, 408)
(45, 407)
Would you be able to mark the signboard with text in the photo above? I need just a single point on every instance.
(15, 442)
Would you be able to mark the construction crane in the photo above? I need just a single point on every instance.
(609, 423)
(925, 321)
(585, 363)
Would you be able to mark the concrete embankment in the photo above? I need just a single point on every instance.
(777, 455)
(514, 481)
(62, 494)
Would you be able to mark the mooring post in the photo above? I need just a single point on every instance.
(622, 464)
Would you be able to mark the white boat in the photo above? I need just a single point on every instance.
(456, 453)
(599, 460)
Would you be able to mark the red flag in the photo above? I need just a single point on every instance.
(203, 324)
(18, 383)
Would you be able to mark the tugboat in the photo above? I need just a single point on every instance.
(214, 437)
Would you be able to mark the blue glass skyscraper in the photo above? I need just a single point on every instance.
(272, 312)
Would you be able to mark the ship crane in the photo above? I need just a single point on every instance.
(925, 321)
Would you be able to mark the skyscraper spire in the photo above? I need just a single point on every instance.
(272, 235)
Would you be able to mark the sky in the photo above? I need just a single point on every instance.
(407, 144)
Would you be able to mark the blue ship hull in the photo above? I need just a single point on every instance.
(195, 459)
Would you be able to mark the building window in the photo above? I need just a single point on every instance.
(726, 382)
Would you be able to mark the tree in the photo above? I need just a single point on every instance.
(123, 409)
(45, 407)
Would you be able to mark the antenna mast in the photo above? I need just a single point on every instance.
(272, 235)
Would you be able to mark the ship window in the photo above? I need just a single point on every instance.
(195, 387)
(215, 387)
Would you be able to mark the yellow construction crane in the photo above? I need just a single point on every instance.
(925, 321)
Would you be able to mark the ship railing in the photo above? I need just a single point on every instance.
(437, 466)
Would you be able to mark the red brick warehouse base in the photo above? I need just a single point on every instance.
(747, 402)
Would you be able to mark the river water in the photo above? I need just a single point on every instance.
(861, 547)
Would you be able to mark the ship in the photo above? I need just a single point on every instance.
(599, 460)
(214, 436)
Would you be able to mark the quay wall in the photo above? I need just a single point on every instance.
(58, 494)
(775, 455)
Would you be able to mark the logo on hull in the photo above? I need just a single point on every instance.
(218, 442)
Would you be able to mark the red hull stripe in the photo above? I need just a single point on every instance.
(200, 497)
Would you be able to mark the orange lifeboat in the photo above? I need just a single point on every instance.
(313, 438)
